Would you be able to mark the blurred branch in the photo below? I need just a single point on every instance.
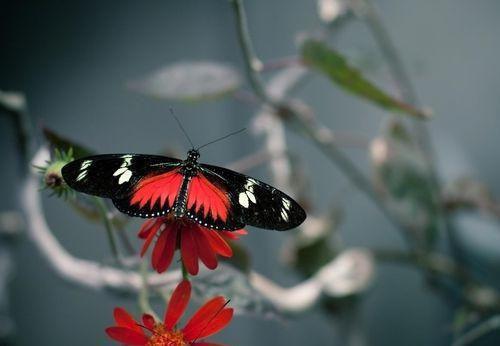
(477, 332)
(302, 119)
(478, 296)
(249, 162)
(14, 105)
(252, 64)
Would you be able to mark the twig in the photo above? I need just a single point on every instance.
(143, 299)
(252, 63)
(477, 332)
(103, 211)
(249, 162)
(14, 104)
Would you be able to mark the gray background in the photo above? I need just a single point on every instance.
(72, 59)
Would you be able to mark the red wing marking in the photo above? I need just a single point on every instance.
(204, 194)
(163, 187)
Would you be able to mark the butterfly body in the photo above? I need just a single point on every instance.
(151, 186)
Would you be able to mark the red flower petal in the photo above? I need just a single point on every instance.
(127, 336)
(233, 235)
(177, 304)
(153, 229)
(168, 250)
(219, 322)
(158, 250)
(218, 244)
(148, 321)
(188, 251)
(124, 319)
(205, 251)
(202, 318)
(145, 228)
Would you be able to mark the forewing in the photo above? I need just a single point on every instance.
(256, 203)
(114, 175)
(153, 195)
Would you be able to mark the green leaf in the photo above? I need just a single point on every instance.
(64, 144)
(331, 63)
(190, 81)
(234, 285)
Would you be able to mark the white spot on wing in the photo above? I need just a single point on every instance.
(284, 214)
(85, 164)
(243, 199)
(251, 196)
(120, 171)
(124, 173)
(286, 204)
(81, 175)
(125, 177)
(84, 169)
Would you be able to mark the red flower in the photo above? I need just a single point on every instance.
(211, 318)
(195, 242)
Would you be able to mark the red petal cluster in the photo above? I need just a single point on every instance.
(196, 243)
(211, 318)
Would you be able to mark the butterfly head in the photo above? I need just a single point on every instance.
(193, 156)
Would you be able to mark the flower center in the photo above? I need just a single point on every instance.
(163, 337)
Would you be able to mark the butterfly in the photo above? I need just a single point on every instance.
(150, 186)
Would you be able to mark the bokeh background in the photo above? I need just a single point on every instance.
(73, 60)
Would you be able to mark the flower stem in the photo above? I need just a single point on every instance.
(103, 211)
(143, 298)
(185, 274)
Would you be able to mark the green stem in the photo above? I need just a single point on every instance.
(103, 211)
(143, 298)
(185, 274)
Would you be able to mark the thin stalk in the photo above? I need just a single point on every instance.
(127, 244)
(491, 324)
(366, 10)
(252, 64)
(103, 211)
(185, 274)
(143, 298)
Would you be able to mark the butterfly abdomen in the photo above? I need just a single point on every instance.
(181, 201)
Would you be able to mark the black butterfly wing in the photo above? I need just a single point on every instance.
(254, 202)
(116, 176)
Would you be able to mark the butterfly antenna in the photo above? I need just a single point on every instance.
(223, 137)
(181, 127)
